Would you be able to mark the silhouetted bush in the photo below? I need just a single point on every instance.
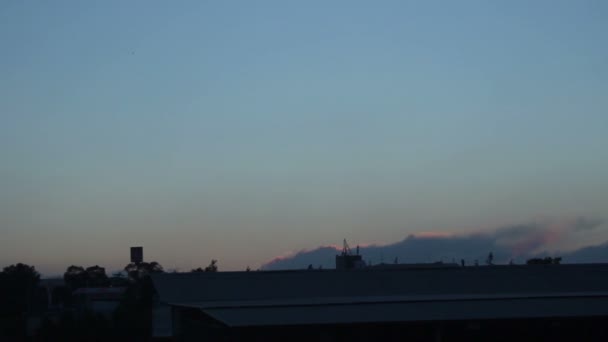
(544, 261)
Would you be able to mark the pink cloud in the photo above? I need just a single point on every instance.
(431, 235)
(510, 242)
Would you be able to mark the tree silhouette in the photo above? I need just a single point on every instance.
(544, 261)
(96, 277)
(21, 274)
(212, 266)
(75, 277)
(133, 317)
(142, 269)
(18, 284)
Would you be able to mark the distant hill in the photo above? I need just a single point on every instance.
(512, 243)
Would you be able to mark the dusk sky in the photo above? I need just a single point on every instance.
(245, 130)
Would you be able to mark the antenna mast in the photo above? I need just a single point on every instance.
(346, 249)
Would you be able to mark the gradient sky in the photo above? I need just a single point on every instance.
(243, 130)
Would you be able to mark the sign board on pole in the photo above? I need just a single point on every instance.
(137, 254)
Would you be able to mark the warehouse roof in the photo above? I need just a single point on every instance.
(330, 296)
(222, 286)
(401, 309)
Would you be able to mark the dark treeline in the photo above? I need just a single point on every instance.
(27, 311)
(18, 291)
(545, 261)
(32, 310)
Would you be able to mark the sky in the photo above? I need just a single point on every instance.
(242, 131)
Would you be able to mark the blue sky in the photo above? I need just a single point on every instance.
(244, 130)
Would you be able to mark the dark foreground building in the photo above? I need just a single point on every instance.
(497, 303)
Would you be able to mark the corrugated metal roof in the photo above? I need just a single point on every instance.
(353, 296)
(358, 310)
(231, 286)
(327, 301)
